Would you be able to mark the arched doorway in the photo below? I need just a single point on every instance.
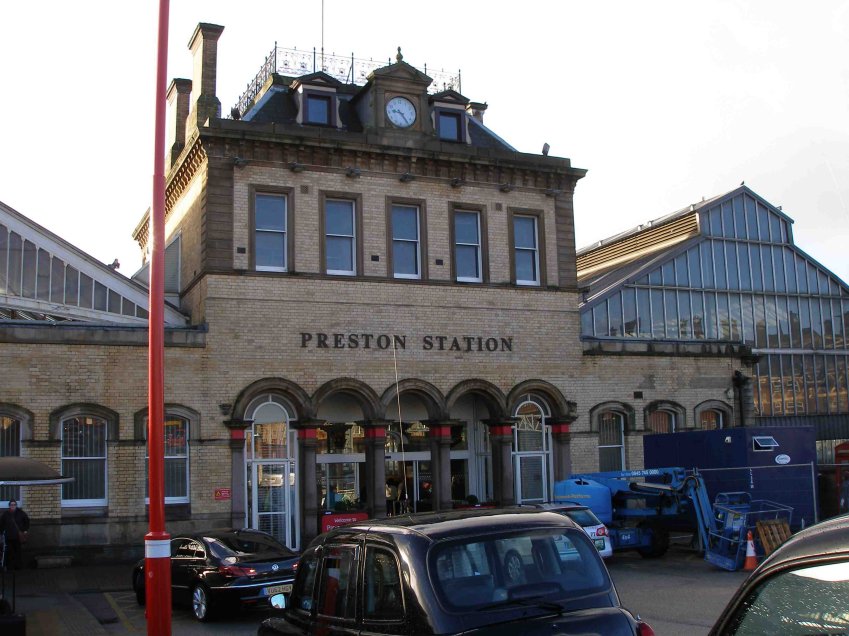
(270, 457)
(532, 450)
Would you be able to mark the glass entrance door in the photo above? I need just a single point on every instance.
(274, 501)
(531, 478)
(409, 483)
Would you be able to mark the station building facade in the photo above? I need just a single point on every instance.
(373, 307)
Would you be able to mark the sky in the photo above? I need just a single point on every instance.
(663, 102)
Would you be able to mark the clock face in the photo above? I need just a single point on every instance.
(401, 112)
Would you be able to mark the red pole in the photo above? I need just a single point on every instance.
(157, 542)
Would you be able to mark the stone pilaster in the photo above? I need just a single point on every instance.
(440, 457)
(501, 442)
(307, 441)
(375, 467)
(238, 505)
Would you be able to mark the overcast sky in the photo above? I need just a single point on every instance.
(664, 102)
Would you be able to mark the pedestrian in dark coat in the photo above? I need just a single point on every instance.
(14, 524)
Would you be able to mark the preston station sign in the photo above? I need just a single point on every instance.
(429, 342)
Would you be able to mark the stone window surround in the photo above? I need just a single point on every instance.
(480, 210)
(462, 127)
(183, 412)
(421, 205)
(357, 199)
(539, 216)
(678, 413)
(288, 193)
(111, 419)
(713, 405)
(311, 92)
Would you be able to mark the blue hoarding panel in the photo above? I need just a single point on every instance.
(768, 463)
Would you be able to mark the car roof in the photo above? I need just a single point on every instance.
(221, 532)
(557, 505)
(439, 525)
(823, 540)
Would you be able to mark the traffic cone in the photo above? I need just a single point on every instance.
(751, 561)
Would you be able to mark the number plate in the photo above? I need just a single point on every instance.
(278, 589)
(599, 543)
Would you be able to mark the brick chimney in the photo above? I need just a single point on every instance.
(179, 93)
(476, 110)
(204, 48)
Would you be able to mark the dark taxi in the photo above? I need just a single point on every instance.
(471, 571)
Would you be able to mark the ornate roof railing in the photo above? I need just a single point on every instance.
(349, 70)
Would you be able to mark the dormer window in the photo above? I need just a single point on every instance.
(317, 99)
(318, 109)
(449, 126)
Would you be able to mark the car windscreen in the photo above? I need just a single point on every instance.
(243, 544)
(483, 571)
(582, 516)
(809, 600)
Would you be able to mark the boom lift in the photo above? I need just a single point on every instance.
(640, 506)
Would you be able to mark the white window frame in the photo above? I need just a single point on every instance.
(82, 503)
(284, 232)
(351, 237)
(187, 473)
(534, 250)
(417, 242)
(10, 428)
(620, 417)
(478, 248)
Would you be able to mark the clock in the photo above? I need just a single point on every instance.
(401, 112)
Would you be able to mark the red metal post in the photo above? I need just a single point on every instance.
(157, 542)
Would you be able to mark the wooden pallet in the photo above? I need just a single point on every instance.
(772, 534)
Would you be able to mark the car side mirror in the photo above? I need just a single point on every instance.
(278, 601)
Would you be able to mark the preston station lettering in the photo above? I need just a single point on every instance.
(430, 342)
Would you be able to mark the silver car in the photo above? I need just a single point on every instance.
(585, 518)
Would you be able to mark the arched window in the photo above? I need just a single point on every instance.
(271, 415)
(711, 419)
(176, 459)
(661, 422)
(664, 416)
(10, 446)
(712, 415)
(84, 458)
(611, 440)
(530, 434)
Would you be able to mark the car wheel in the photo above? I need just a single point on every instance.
(200, 603)
(138, 587)
(514, 569)
(659, 541)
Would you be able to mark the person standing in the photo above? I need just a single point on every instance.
(14, 524)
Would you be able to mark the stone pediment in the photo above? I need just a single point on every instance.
(401, 71)
(319, 78)
(449, 96)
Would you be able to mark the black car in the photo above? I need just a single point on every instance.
(801, 588)
(225, 568)
(467, 571)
